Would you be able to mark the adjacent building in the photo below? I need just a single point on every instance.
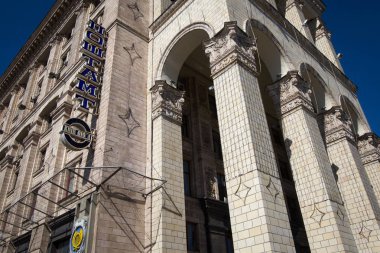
(185, 126)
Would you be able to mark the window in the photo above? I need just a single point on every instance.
(14, 180)
(187, 177)
(22, 244)
(61, 246)
(212, 105)
(217, 145)
(64, 59)
(221, 187)
(37, 93)
(185, 126)
(60, 233)
(70, 182)
(42, 157)
(33, 203)
(229, 244)
(191, 236)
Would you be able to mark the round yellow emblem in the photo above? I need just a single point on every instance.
(77, 239)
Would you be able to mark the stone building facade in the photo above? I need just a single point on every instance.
(185, 126)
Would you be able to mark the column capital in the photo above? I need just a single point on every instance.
(229, 46)
(322, 31)
(291, 92)
(56, 39)
(297, 3)
(337, 125)
(369, 147)
(167, 101)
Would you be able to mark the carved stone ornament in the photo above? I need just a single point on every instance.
(291, 92)
(337, 125)
(291, 3)
(369, 148)
(167, 102)
(231, 45)
(322, 31)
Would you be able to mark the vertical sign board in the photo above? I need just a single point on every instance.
(75, 134)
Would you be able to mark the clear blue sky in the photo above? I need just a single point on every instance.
(354, 25)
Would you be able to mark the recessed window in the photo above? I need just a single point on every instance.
(14, 180)
(222, 187)
(185, 127)
(187, 177)
(41, 161)
(191, 236)
(217, 144)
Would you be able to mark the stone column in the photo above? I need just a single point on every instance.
(295, 16)
(259, 219)
(323, 43)
(321, 204)
(369, 149)
(168, 205)
(357, 193)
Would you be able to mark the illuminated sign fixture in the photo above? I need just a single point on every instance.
(88, 80)
(76, 134)
(78, 236)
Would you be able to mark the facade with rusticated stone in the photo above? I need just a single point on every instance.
(185, 126)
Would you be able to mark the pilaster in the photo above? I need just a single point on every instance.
(318, 195)
(362, 207)
(258, 214)
(369, 149)
(295, 16)
(324, 44)
(54, 60)
(168, 204)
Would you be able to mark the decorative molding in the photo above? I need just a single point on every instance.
(231, 45)
(322, 31)
(242, 190)
(296, 3)
(167, 102)
(36, 43)
(129, 121)
(135, 10)
(369, 148)
(337, 125)
(317, 215)
(133, 54)
(271, 187)
(291, 92)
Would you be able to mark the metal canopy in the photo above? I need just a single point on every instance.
(62, 191)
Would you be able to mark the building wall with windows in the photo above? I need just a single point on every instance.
(222, 127)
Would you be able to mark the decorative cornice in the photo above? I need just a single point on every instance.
(231, 45)
(308, 46)
(63, 109)
(31, 139)
(167, 102)
(291, 92)
(7, 160)
(369, 148)
(37, 41)
(337, 125)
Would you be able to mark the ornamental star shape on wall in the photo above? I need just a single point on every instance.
(129, 121)
(240, 192)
